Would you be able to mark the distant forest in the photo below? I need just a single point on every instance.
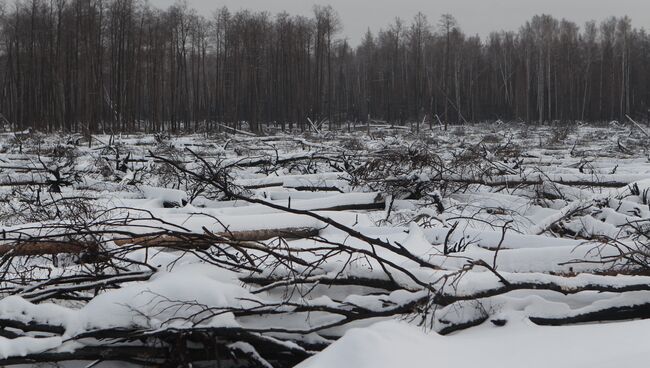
(121, 65)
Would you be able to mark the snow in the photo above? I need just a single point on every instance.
(166, 300)
(555, 232)
(518, 344)
(22, 346)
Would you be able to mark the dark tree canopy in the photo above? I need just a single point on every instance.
(93, 65)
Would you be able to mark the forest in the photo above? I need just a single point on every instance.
(123, 65)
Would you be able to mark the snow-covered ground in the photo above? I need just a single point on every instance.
(502, 246)
(522, 344)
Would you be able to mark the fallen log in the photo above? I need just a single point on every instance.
(200, 241)
(618, 313)
(291, 181)
(606, 181)
(159, 240)
(273, 283)
(337, 202)
(42, 248)
(279, 160)
(165, 346)
(317, 189)
(453, 327)
(445, 299)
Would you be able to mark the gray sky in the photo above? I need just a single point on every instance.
(474, 16)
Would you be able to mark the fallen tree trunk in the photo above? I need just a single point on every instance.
(199, 240)
(514, 181)
(41, 248)
(174, 347)
(445, 299)
(160, 240)
(604, 315)
(453, 327)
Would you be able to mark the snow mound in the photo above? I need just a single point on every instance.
(397, 344)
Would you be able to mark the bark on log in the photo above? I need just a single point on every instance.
(41, 248)
(198, 241)
(506, 182)
(176, 241)
(609, 314)
(168, 345)
(444, 299)
(450, 328)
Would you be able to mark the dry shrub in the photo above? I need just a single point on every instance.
(459, 131)
(401, 171)
(352, 144)
(559, 133)
(492, 138)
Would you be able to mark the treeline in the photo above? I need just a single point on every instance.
(97, 65)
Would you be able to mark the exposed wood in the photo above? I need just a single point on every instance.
(190, 240)
(629, 312)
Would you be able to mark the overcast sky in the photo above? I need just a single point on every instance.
(475, 16)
